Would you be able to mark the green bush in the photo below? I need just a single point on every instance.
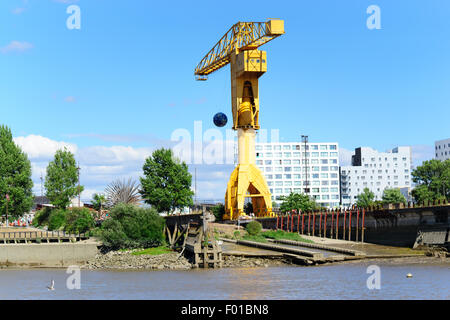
(132, 227)
(79, 220)
(41, 216)
(72, 220)
(253, 228)
(218, 211)
(57, 219)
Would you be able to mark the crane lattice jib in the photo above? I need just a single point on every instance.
(241, 36)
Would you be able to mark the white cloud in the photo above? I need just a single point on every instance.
(42, 148)
(100, 165)
(16, 46)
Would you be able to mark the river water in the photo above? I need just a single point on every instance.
(342, 281)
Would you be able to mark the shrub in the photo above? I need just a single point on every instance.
(41, 217)
(57, 219)
(218, 211)
(79, 220)
(132, 227)
(253, 228)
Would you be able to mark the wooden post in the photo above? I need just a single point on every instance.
(320, 224)
(362, 226)
(281, 222)
(350, 225)
(287, 223)
(357, 225)
(303, 223)
(309, 220)
(337, 223)
(332, 224)
(325, 225)
(343, 226)
(276, 228)
(314, 223)
(298, 222)
(292, 222)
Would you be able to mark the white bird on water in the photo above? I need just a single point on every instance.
(52, 285)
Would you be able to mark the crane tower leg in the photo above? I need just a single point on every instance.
(247, 181)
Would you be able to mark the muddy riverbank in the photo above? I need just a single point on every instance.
(125, 260)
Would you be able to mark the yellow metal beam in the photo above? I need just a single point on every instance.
(241, 36)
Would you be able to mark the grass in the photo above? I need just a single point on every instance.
(153, 251)
(257, 238)
(280, 234)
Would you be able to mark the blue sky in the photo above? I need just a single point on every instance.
(126, 77)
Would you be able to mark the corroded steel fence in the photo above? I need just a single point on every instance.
(336, 224)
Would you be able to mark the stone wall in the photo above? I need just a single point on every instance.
(46, 254)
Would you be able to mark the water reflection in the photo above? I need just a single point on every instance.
(346, 281)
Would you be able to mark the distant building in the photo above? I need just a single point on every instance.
(288, 167)
(43, 201)
(442, 149)
(376, 171)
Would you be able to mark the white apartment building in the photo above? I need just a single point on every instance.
(442, 149)
(376, 171)
(288, 167)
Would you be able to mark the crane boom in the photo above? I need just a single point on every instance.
(241, 36)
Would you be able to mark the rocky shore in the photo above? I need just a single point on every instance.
(125, 260)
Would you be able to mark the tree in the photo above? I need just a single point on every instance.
(98, 201)
(218, 211)
(121, 191)
(297, 201)
(166, 184)
(15, 177)
(393, 196)
(61, 179)
(432, 180)
(365, 199)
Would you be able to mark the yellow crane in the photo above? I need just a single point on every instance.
(239, 48)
